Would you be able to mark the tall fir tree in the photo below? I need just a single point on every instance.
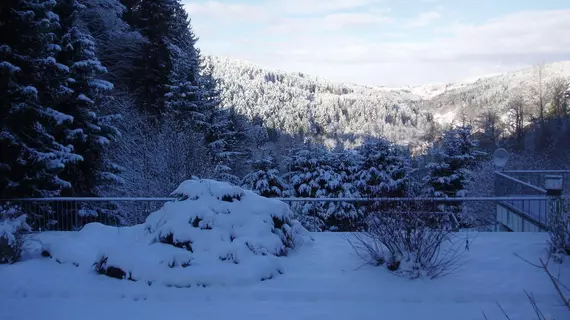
(455, 157)
(31, 156)
(151, 71)
(91, 132)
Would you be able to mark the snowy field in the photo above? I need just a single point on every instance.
(322, 280)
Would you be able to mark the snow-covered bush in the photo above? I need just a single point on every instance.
(12, 228)
(409, 241)
(214, 234)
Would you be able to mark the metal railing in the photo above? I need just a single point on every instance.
(68, 214)
(538, 177)
(535, 211)
(71, 214)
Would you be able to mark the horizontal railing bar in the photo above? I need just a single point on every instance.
(456, 199)
(521, 182)
(88, 199)
(536, 171)
(406, 199)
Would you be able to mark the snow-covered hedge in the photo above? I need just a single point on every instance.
(214, 234)
(12, 228)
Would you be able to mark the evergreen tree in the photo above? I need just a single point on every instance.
(264, 179)
(449, 176)
(456, 156)
(316, 173)
(384, 169)
(31, 157)
(220, 139)
(90, 132)
(223, 133)
(184, 95)
(151, 71)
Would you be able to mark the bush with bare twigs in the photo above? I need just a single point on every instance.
(410, 242)
(562, 290)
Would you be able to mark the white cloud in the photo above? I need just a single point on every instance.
(425, 19)
(332, 44)
(318, 6)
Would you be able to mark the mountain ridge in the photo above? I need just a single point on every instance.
(342, 113)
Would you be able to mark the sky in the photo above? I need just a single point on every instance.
(389, 43)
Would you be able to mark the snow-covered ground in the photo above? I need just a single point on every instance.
(322, 280)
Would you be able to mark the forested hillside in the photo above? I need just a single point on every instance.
(299, 104)
(294, 103)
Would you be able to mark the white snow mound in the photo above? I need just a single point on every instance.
(214, 234)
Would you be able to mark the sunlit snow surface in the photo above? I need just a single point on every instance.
(322, 280)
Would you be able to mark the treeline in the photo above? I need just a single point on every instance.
(376, 168)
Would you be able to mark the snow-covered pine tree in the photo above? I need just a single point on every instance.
(384, 172)
(152, 69)
(31, 157)
(456, 155)
(384, 169)
(316, 173)
(183, 98)
(220, 139)
(222, 133)
(91, 131)
(264, 179)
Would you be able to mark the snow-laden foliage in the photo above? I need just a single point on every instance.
(454, 158)
(265, 179)
(384, 169)
(32, 156)
(213, 234)
(317, 173)
(12, 228)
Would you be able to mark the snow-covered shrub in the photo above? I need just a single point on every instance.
(215, 233)
(12, 228)
(265, 180)
(409, 241)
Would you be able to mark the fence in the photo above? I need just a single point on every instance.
(538, 177)
(68, 214)
(523, 214)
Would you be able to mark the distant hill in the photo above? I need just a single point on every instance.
(336, 112)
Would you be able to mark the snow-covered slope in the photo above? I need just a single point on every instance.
(294, 102)
(324, 280)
